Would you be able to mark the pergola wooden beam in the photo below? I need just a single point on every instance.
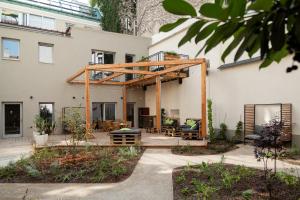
(203, 131)
(98, 83)
(159, 73)
(78, 73)
(147, 64)
(127, 71)
(87, 102)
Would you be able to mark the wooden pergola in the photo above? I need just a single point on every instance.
(172, 70)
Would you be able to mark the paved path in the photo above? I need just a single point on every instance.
(151, 179)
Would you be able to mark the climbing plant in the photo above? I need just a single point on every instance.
(211, 130)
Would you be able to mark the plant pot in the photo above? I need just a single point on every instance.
(40, 140)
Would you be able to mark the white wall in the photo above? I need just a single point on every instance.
(230, 88)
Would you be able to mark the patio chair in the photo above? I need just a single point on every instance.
(170, 127)
(125, 136)
(190, 130)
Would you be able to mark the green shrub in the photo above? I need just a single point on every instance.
(243, 171)
(118, 170)
(229, 179)
(287, 179)
(223, 131)
(211, 130)
(8, 171)
(247, 194)
(128, 152)
(32, 171)
(181, 178)
(185, 191)
(238, 131)
(203, 190)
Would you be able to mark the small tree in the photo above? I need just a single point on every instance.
(223, 131)
(267, 147)
(238, 132)
(211, 130)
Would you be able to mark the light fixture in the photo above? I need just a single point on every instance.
(31, 97)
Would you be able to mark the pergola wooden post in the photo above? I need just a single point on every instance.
(203, 100)
(158, 104)
(87, 101)
(124, 104)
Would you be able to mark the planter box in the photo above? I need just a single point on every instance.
(40, 140)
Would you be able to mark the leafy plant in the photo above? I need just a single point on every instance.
(203, 190)
(75, 125)
(118, 170)
(243, 171)
(271, 26)
(211, 130)
(128, 152)
(287, 179)
(181, 178)
(238, 131)
(229, 179)
(185, 191)
(223, 131)
(33, 171)
(268, 147)
(247, 194)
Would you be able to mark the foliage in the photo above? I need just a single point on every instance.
(203, 191)
(268, 147)
(47, 116)
(287, 179)
(61, 165)
(181, 178)
(211, 130)
(42, 125)
(238, 131)
(271, 26)
(229, 179)
(116, 15)
(247, 194)
(129, 152)
(223, 130)
(75, 124)
(185, 191)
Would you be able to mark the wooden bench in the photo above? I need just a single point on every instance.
(128, 137)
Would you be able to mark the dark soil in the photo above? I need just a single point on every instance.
(73, 165)
(220, 146)
(212, 175)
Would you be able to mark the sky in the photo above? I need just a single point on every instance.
(84, 1)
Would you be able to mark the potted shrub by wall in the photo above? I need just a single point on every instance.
(42, 126)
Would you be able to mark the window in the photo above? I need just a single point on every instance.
(41, 22)
(102, 57)
(46, 112)
(104, 111)
(9, 16)
(45, 53)
(129, 59)
(10, 48)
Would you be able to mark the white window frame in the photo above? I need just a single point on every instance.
(42, 44)
(2, 48)
(42, 26)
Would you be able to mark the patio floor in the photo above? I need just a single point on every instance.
(148, 140)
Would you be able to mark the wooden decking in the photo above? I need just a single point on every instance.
(148, 140)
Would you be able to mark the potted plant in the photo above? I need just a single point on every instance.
(42, 127)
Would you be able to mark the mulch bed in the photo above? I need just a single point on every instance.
(220, 146)
(72, 165)
(184, 186)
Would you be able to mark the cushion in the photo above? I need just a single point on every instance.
(125, 129)
(195, 126)
(168, 121)
(252, 137)
(190, 122)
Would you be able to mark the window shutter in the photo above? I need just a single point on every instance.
(249, 119)
(286, 118)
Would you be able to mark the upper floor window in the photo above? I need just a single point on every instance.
(10, 48)
(41, 22)
(102, 57)
(9, 16)
(45, 52)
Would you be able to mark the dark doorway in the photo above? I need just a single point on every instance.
(12, 119)
(129, 59)
(130, 113)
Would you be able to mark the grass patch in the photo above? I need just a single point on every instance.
(220, 146)
(222, 181)
(73, 165)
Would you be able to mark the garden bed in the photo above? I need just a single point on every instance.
(219, 181)
(73, 165)
(220, 146)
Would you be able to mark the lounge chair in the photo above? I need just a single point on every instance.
(190, 130)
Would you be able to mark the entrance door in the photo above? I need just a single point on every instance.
(130, 113)
(12, 119)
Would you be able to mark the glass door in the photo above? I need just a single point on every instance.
(130, 113)
(12, 119)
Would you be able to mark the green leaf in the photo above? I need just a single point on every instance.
(265, 63)
(213, 11)
(222, 33)
(278, 55)
(219, 2)
(236, 41)
(278, 31)
(237, 8)
(192, 32)
(249, 39)
(171, 26)
(206, 31)
(179, 7)
(254, 47)
(261, 5)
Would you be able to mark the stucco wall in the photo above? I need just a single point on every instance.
(47, 82)
(230, 88)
